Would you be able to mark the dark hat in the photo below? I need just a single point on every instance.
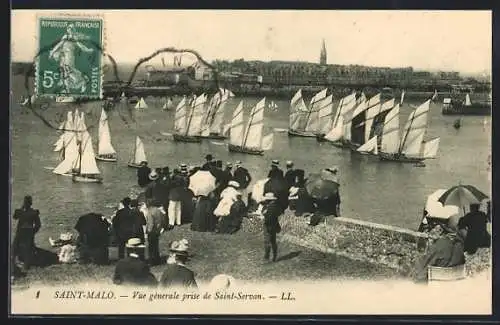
(134, 203)
(144, 163)
(289, 163)
(209, 157)
(126, 201)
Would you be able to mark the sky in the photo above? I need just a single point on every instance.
(427, 40)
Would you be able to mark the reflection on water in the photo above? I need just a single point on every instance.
(371, 190)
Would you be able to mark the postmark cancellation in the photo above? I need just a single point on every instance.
(70, 56)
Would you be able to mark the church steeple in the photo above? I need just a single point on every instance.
(322, 57)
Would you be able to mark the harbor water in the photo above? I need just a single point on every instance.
(382, 192)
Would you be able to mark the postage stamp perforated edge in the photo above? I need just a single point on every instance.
(72, 16)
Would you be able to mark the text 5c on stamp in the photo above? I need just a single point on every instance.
(69, 61)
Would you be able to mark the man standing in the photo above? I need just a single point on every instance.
(128, 224)
(290, 175)
(209, 162)
(271, 212)
(143, 174)
(27, 226)
(155, 224)
(132, 270)
(275, 170)
(177, 275)
(242, 176)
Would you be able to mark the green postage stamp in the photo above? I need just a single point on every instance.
(69, 61)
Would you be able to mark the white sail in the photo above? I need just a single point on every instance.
(196, 117)
(430, 148)
(230, 93)
(218, 119)
(467, 100)
(141, 104)
(370, 146)
(346, 104)
(337, 132)
(267, 142)
(88, 163)
(325, 115)
(139, 154)
(76, 117)
(59, 143)
(104, 147)
(180, 119)
(312, 123)
(348, 121)
(237, 127)
(70, 154)
(390, 133)
(373, 112)
(402, 98)
(414, 131)
(122, 95)
(298, 112)
(435, 95)
(253, 137)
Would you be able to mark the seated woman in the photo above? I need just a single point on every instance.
(228, 196)
(68, 252)
(93, 239)
(232, 223)
(446, 251)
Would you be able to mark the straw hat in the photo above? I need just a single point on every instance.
(289, 163)
(293, 191)
(66, 236)
(234, 184)
(275, 162)
(153, 175)
(269, 196)
(180, 247)
(333, 169)
(229, 164)
(134, 243)
(238, 163)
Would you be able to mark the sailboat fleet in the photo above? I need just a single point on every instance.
(368, 126)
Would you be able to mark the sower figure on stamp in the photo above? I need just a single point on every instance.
(64, 52)
(271, 212)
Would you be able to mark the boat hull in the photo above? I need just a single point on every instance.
(294, 133)
(186, 138)
(85, 179)
(461, 109)
(240, 149)
(214, 136)
(399, 158)
(107, 158)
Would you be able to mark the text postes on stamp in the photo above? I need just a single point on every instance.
(69, 62)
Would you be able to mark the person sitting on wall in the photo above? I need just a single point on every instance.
(446, 251)
(475, 223)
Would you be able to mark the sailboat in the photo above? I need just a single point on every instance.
(402, 98)
(248, 139)
(345, 108)
(325, 116)
(141, 104)
(168, 104)
(213, 120)
(105, 150)
(191, 132)
(467, 100)
(69, 151)
(369, 147)
(355, 132)
(298, 113)
(311, 118)
(412, 147)
(139, 154)
(85, 166)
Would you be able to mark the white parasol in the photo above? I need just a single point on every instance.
(436, 208)
(202, 183)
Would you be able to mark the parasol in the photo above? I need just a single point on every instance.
(202, 183)
(319, 188)
(436, 209)
(462, 196)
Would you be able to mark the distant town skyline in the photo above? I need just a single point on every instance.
(426, 40)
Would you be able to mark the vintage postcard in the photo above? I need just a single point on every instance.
(284, 162)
